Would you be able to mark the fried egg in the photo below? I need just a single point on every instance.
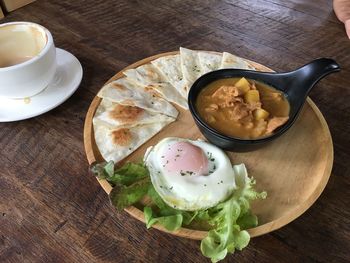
(190, 175)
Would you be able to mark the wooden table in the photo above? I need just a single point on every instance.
(52, 210)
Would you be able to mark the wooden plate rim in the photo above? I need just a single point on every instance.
(197, 234)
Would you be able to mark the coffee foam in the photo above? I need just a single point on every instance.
(20, 42)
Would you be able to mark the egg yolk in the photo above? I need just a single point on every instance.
(184, 158)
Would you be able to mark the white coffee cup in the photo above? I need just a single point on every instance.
(27, 59)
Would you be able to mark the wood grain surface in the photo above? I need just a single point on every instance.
(52, 210)
(308, 144)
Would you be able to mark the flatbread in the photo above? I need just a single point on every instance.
(116, 144)
(125, 92)
(209, 61)
(132, 111)
(115, 115)
(231, 61)
(170, 67)
(145, 75)
(167, 91)
(149, 76)
(190, 66)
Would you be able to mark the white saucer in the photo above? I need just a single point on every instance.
(65, 82)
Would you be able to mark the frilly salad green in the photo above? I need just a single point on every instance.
(228, 220)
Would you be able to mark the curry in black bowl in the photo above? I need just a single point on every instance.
(242, 110)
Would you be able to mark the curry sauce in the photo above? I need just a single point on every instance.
(242, 108)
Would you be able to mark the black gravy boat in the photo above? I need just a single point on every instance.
(295, 85)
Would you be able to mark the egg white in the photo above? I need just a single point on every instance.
(191, 192)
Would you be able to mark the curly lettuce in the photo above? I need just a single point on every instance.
(228, 220)
(171, 218)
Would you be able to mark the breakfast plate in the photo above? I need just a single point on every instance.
(293, 170)
(66, 81)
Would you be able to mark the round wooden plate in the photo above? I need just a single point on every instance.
(294, 169)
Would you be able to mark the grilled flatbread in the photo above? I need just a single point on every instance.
(149, 76)
(132, 109)
(145, 75)
(114, 115)
(116, 144)
(125, 92)
(190, 66)
(231, 61)
(209, 61)
(170, 67)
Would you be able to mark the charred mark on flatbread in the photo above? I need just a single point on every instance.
(128, 102)
(152, 88)
(122, 137)
(150, 72)
(126, 113)
(118, 86)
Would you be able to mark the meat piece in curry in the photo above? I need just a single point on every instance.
(242, 108)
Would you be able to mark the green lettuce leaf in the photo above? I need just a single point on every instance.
(172, 219)
(128, 174)
(230, 218)
(103, 170)
(123, 196)
(170, 222)
(227, 235)
(248, 220)
(130, 182)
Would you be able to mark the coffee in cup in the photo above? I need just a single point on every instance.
(27, 59)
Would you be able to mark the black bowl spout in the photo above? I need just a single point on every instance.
(295, 85)
(302, 80)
